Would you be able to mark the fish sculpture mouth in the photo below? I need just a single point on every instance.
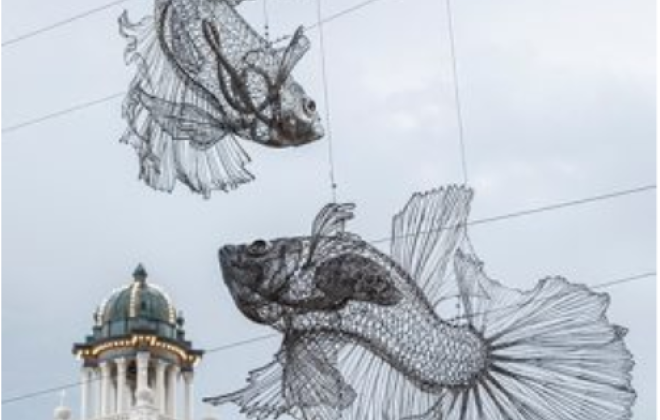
(236, 275)
(256, 296)
(245, 292)
(291, 133)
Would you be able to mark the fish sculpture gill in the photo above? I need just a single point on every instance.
(204, 79)
(364, 338)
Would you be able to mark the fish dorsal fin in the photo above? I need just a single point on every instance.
(426, 235)
(329, 223)
(332, 219)
(277, 63)
(292, 53)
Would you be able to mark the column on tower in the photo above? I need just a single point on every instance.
(121, 385)
(142, 370)
(161, 365)
(98, 391)
(105, 387)
(112, 390)
(86, 379)
(188, 395)
(172, 379)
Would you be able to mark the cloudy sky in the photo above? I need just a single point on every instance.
(558, 103)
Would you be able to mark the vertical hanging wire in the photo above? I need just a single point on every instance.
(457, 96)
(459, 113)
(266, 22)
(326, 102)
(331, 161)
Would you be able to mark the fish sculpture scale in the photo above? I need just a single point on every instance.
(364, 335)
(205, 78)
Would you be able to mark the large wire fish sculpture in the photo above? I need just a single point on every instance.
(204, 79)
(363, 336)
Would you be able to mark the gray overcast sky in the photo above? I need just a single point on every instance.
(559, 103)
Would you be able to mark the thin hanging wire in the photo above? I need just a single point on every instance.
(457, 96)
(326, 102)
(457, 101)
(266, 22)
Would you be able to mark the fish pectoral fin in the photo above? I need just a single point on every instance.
(303, 381)
(291, 54)
(262, 397)
(311, 377)
(183, 121)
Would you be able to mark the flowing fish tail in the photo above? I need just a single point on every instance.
(177, 134)
(552, 353)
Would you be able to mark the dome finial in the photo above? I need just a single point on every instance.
(140, 274)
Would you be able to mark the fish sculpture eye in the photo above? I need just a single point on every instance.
(309, 106)
(259, 248)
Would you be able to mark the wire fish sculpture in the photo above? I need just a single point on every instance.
(204, 79)
(363, 337)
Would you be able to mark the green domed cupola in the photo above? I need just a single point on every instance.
(139, 307)
(138, 315)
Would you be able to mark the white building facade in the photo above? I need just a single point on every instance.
(136, 364)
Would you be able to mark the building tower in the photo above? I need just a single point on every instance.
(137, 363)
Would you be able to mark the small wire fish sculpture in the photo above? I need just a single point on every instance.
(204, 79)
(363, 337)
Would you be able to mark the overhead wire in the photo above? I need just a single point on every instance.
(30, 395)
(319, 25)
(60, 113)
(521, 213)
(547, 208)
(240, 343)
(598, 286)
(76, 384)
(46, 391)
(535, 210)
(90, 12)
(63, 22)
(56, 114)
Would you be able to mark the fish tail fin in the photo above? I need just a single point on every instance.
(552, 353)
(192, 149)
(178, 134)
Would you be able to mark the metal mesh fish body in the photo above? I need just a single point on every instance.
(426, 350)
(364, 339)
(205, 78)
